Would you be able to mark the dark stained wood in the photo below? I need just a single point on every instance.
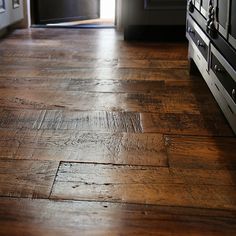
(186, 124)
(122, 128)
(202, 152)
(146, 185)
(71, 120)
(162, 99)
(95, 73)
(32, 179)
(114, 148)
(176, 123)
(92, 218)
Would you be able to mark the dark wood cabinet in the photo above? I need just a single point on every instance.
(141, 15)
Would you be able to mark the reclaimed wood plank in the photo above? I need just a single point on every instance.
(146, 185)
(69, 145)
(70, 120)
(202, 152)
(186, 124)
(95, 73)
(44, 217)
(22, 178)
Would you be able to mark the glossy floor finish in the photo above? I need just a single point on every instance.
(104, 137)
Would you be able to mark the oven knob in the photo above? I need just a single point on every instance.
(190, 6)
(190, 30)
(217, 68)
(200, 44)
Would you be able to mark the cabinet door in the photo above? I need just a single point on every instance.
(232, 29)
(204, 7)
(223, 16)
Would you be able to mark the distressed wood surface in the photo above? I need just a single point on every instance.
(92, 218)
(61, 145)
(109, 138)
(202, 152)
(32, 179)
(152, 185)
(101, 121)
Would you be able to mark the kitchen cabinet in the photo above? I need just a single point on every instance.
(144, 14)
(212, 49)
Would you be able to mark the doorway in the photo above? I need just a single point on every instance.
(74, 13)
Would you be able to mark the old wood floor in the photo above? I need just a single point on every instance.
(103, 137)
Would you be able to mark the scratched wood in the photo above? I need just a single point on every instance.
(70, 120)
(186, 124)
(120, 127)
(152, 185)
(21, 178)
(202, 152)
(115, 148)
(109, 219)
(95, 73)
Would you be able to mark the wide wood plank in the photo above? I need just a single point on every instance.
(175, 123)
(202, 152)
(71, 120)
(95, 73)
(115, 148)
(186, 124)
(146, 185)
(43, 217)
(21, 178)
(162, 99)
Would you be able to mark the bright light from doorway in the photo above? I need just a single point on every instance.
(108, 9)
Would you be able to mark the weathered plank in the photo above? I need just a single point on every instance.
(95, 73)
(146, 185)
(202, 152)
(71, 120)
(186, 124)
(21, 178)
(69, 145)
(78, 100)
(44, 217)
(161, 99)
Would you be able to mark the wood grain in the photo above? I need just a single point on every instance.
(93, 218)
(122, 128)
(186, 124)
(152, 185)
(202, 152)
(61, 145)
(21, 178)
(70, 120)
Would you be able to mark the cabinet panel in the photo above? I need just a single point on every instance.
(163, 4)
(232, 30)
(223, 17)
(11, 11)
